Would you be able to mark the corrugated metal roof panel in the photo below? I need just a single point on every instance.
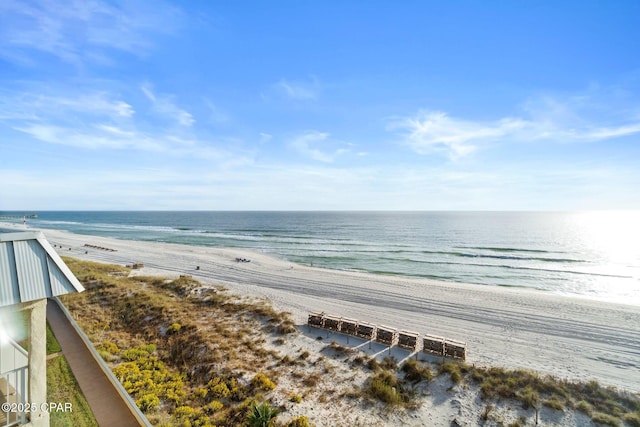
(9, 290)
(59, 282)
(30, 269)
(33, 275)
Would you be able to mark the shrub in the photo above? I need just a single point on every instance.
(585, 407)
(554, 402)
(184, 412)
(389, 363)
(138, 353)
(146, 374)
(109, 347)
(262, 382)
(529, 398)
(174, 328)
(632, 419)
(312, 380)
(286, 327)
(295, 398)
(262, 415)
(147, 402)
(214, 406)
(300, 421)
(373, 364)
(454, 370)
(384, 386)
(201, 392)
(415, 372)
(605, 419)
(218, 388)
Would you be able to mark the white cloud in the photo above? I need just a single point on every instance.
(101, 136)
(436, 131)
(545, 119)
(163, 105)
(79, 31)
(37, 103)
(101, 120)
(306, 144)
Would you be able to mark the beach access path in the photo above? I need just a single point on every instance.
(571, 338)
(107, 405)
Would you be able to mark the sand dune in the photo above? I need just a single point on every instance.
(567, 337)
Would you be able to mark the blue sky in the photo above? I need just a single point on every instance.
(300, 105)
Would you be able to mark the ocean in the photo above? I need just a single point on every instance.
(587, 254)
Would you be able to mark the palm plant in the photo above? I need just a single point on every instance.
(262, 415)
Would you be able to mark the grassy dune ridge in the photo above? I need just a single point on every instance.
(197, 356)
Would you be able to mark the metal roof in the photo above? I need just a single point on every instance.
(30, 269)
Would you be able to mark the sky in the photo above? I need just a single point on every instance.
(319, 105)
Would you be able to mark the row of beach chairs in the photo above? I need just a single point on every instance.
(407, 340)
(99, 247)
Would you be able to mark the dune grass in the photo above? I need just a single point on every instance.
(209, 344)
(187, 354)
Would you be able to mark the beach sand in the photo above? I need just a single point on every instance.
(572, 338)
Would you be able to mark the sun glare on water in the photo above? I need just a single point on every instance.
(613, 238)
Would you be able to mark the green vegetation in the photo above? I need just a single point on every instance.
(300, 421)
(604, 405)
(605, 419)
(415, 372)
(385, 387)
(52, 343)
(62, 387)
(455, 370)
(632, 419)
(262, 415)
(191, 355)
(531, 389)
(181, 369)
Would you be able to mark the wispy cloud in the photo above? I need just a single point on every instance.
(307, 145)
(163, 105)
(100, 136)
(37, 103)
(102, 120)
(299, 90)
(436, 131)
(79, 31)
(542, 119)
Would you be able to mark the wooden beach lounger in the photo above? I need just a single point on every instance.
(408, 340)
(366, 331)
(455, 349)
(349, 326)
(332, 323)
(316, 320)
(433, 345)
(386, 335)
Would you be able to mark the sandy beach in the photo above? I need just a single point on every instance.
(567, 337)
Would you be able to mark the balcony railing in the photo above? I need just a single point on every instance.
(13, 393)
